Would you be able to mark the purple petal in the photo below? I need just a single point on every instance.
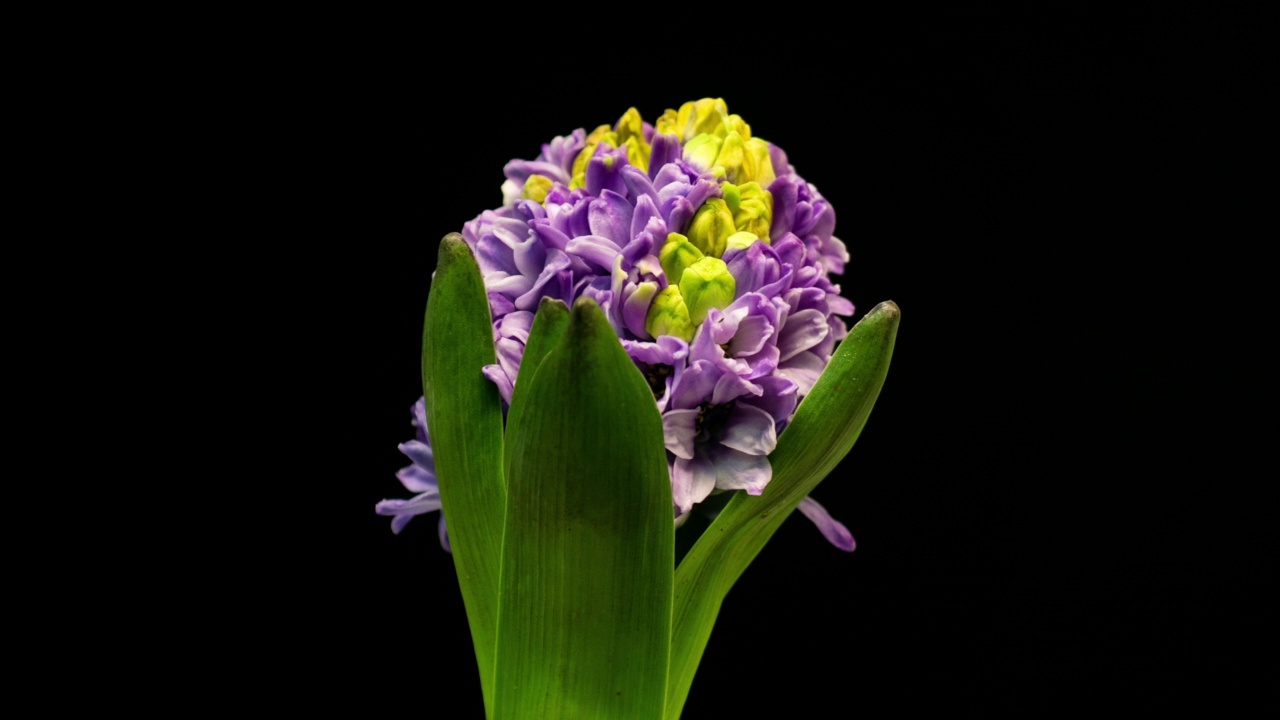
(665, 149)
(512, 285)
(779, 399)
(609, 216)
(679, 432)
(404, 510)
(802, 331)
(417, 479)
(731, 386)
(833, 530)
(749, 430)
(739, 471)
(691, 481)
(695, 385)
(636, 307)
(840, 305)
(803, 370)
(752, 334)
(421, 455)
(594, 249)
(501, 379)
(442, 531)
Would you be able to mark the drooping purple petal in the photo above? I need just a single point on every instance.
(833, 530)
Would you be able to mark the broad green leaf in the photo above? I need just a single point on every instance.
(464, 414)
(584, 621)
(822, 432)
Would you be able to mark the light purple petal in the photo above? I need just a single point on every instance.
(679, 432)
(511, 285)
(501, 379)
(609, 216)
(802, 331)
(752, 334)
(691, 482)
(779, 399)
(833, 530)
(416, 478)
(421, 455)
(730, 386)
(636, 307)
(840, 305)
(442, 530)
(803, 370)
(404, 510)
(739, 471)
(750, 430)
(594, 249)
(695, 385)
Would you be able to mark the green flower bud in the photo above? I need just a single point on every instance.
(711, 226)
(668, 315)
(536, 188)
(752, 208)
(677, 253)
(706, 284)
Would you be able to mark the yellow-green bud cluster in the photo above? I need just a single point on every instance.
(697, 281)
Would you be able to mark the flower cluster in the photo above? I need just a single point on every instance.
(711, 259)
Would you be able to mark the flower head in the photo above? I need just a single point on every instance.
(710, 257)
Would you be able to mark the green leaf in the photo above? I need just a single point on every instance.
(464, 415)
(822, 432)
(548, 329)
(584, 622)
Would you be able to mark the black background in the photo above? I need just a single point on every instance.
(1050, 499)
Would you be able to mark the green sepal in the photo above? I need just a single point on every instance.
(464, 414)
(585, 609)
(822, 432)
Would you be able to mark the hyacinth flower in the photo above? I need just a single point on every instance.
(647, 322)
